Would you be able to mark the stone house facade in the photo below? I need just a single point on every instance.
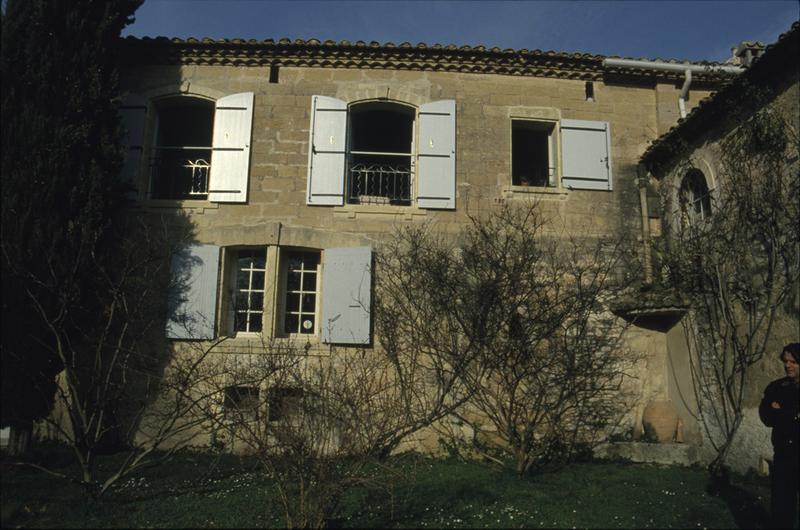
(683, 175)
(294, 159)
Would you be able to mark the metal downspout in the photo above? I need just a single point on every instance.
(685, 92)
(641, 180)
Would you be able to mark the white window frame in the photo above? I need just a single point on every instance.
(283, 293)
(232, 255)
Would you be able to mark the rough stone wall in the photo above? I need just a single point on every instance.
(752, 442)
(276, 213)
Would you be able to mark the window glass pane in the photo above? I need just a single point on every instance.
(244, 261)
(256, 320)
(292, 302)
(258, 280)
(259, 259)
(309, 281)
(240, 321)
(256, 301)
(311, 260)
(307, 324)
(309, 302)
(242, 280)
(240, 301)
(295, 261)
(293, 282)
(292, 323)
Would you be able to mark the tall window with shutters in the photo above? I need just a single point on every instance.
(181, 158)
(201, 148)
(301, 270)
(382, 152)
(325, 293)
(561, 154)
(248, 296)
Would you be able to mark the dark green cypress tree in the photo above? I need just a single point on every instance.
(60, 155)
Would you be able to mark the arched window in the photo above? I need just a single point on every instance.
(694, 197)
(182, 150)
(380, 152)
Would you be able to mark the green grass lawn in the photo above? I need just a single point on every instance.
(198, 490)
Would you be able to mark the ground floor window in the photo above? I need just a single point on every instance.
(300, 303)
(248, 299)
(241, 400)
(283, 402)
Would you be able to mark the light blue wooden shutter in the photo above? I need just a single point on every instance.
(230, 159)
(346, 295)
(326, 149)
(436, 171)
(193, 296)
(586, 152)
(132, 115)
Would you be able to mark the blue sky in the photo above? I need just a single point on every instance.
(694, 30)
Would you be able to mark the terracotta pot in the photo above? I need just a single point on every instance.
(660, 420)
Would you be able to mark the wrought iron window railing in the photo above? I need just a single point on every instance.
(380, 183)
(180, 173)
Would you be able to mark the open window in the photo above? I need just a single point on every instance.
(201, 149)
(366, 153)
(182, 153)
(533, 155)
(694, 198)
(380, 154)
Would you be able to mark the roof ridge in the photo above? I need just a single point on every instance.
(405, 45)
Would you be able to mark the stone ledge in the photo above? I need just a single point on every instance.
(655, 453)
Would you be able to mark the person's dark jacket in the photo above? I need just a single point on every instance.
(785, 421)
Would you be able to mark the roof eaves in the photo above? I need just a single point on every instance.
(668, 144)
(479, 58)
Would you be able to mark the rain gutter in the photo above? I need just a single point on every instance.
(687, 69)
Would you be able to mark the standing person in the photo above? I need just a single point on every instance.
(779, 410)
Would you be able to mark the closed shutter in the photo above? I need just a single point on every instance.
(132, 114)
(326, 150)
(193, 295)
(436, 171)
(346, 295)
(230, 159)
(586, 152)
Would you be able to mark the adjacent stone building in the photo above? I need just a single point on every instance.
(683, 177)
